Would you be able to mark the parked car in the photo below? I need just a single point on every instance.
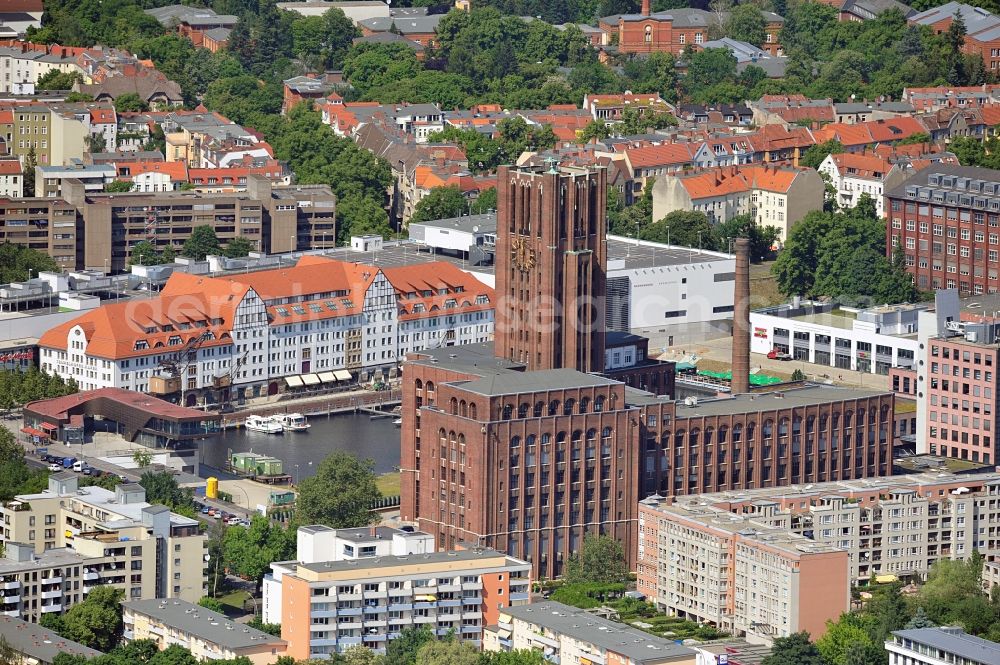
(205, 510)
(55, 467)
(779, 355)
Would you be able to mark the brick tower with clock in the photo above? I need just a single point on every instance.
(551, 267)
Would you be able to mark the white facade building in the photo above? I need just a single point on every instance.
(940, 646)
(872, 340)
(854, 174)
(264, 332)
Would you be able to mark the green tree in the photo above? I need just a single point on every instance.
(798, 375)
(249, 552)
(683, 228)
(96, 621)
(15, 475)
(142, 458)
(746, 24)
(238, 247)
(201, 243)
(486, 201)
(144, 254)
(360, 655)
(515, 657)
(919, 620)
(130, 102)
(447, 652)
(743, 226)
(119, 186)
(601, 560)
(403, 650)
(174, 654)
(18, 262)
(162, 488)
(596, 130)
(842, 255)
(796, 649)
(340, 495)
(269, 628)
(30, 163)
(815, 154)
(210, 603)
(440, 203)
(707, 69)
(57, 80)
(847, 639)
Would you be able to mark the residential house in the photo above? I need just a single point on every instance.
(774, 195)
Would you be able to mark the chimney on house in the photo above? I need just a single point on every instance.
(645, 8)
(741, 319)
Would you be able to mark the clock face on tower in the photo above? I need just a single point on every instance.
(522, 255)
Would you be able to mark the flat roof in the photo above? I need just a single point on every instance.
(52, 558)
(604, 633)
(455, 556)
(645, 254)
(195, 620)
(43, 644)
(808, 395)
(955, 641)
(106, 499)
(512, 383)
(485, 223)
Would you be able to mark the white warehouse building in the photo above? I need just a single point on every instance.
(869, 340)
(672, 294)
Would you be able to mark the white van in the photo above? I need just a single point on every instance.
(78, 466)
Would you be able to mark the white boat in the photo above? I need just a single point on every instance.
(263, 424)
(294, 422)
(398, 422)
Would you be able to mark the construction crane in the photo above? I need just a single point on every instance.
(174, 366)
(223, 381)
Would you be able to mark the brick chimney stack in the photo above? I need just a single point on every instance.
(645, 8)
(741, 319)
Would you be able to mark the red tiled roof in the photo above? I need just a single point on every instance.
(668, 154)
(58, 407)
(10, 167)
(863, 165)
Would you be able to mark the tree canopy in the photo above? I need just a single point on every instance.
(96, 621)
(18, 261)
(15, 475)
(440, 203)
(842, 255)
(249, 552)
(601, 560)
(340, 495)
(162, 488)
(485, 154)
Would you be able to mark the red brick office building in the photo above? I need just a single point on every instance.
(529, 455)
(947, 220)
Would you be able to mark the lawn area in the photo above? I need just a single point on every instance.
(763, 286)
(233, 601)
(636, 613)
(389, 483)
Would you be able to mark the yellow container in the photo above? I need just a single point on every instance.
(212, 488)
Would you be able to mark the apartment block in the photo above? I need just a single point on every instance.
(51, 226)
(86, 229)
(39, 646)
(368, 598)
(715, 567)
(64, 540)
(934, 646)
(833, 535)
(571, 636)
(207, 635)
